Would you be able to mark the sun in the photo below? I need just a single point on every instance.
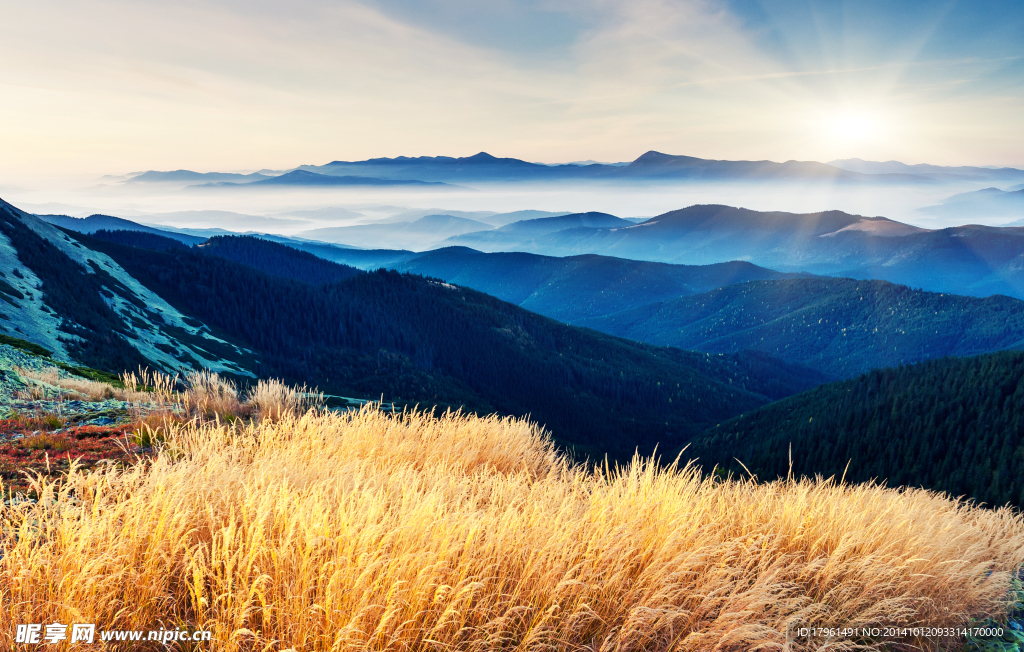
(853, 126)
(850, 126)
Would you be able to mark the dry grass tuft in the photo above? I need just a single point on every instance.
(272, 399)
(208, 395)
(149, 386)
(159, 398)
(369, 531)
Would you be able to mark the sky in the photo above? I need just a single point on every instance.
(113, 86)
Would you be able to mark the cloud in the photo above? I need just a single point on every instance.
(112, 86)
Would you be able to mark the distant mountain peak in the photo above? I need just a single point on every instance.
(301, 174)
(658, 158)
(480, 157)
(652, 156)
(184, 176)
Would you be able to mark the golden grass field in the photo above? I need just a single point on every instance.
(371, 531)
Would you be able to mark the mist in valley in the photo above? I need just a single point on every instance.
(293, 211)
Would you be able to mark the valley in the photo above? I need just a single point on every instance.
(703, 343)
(519, 326)
(730, 347)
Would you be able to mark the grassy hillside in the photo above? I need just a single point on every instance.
(953, 425)
(415, 340)
(373, 532)
(841, 327)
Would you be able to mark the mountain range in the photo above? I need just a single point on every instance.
(95, 223)
(432, 231)
(980, 204)
(84, 307)
(651, 166)
(972, 260)
(483, 167)
(841, 327)
(424, 233)
(188, 176)
(249, 307)
(227, 221)
(307, 178)
(522, 235)
(115, 306)
(568, 289)
(935, 171)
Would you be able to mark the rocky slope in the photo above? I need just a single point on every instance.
(81, 305)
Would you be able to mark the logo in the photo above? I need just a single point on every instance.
(54, 633)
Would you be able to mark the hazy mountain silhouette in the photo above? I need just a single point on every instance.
(420, 234)
(307, 178)
(651, 166)
(559, 223)
(521, 235)
(326, 213)
(655, 165)
(571, 289)
(201, 219)
(973, 260)
(501, 219)
(937, 171)
(95, 223)
(183, 176)
(986, 203)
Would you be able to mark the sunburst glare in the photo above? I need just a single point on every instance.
(852, 126)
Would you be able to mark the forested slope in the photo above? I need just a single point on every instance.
(277, 259)
(421, 341)
(842, 327)
(953, 424)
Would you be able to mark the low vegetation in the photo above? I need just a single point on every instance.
(370, 531)
(40, 447)
(52, 384)
(199, 394)
(46, 444)
(24, 345)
